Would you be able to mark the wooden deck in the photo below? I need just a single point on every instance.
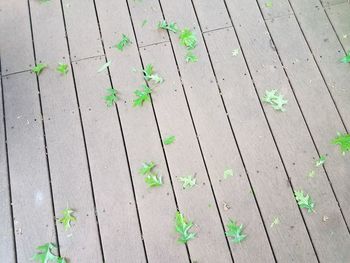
(60, 145)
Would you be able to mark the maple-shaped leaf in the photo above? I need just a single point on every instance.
(45, 255)
(275, 99)
(39, 68)
(320, 161)
(153, 180)
(169, 140)
(343, 140)
(62, 68)
(235, 232)
(304, 201)
(146, 168)
(182, 226)
(142, 95)
(111, 97)
(188, 39)
(125, 41)
(149, 74)
(168, 26)
(190, 57)
(67, 218)
(187, 181)
(346, 59)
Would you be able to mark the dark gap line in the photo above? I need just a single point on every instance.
(14, 73)
(159, 134)
(196, 133)
(86, 58)
(302, 113)
(211, 30)
(123, 137)
(272, 134)
(44, 133)
(8, 167)
(83, 135)
(153, 44)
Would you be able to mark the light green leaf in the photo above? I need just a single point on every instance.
(346, 59)
(146, 168)
(311, 174)
(62, 68)
(275, 221)
(343, 140)
(39, 68)
(153, 180)
(304, 201)
(188, 39)
(104, 66)
(169, 140)
(182, 226)
(190, 57)
(235, 232)
(171, 26)
(275, 99)
(268, 4)
(67, 218)
(149, 74)
(111, 97)
(125, 41)
(187, 181)
(235, 52)
(144, 22)
(228, 173)
(321, 161)
(142, 95)
(46, 256)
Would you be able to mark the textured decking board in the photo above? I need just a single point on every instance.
(68, 162)
(7, 246)
(211, 106)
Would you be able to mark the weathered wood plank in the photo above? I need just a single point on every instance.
(83, 35)
(27, 164)
(334, 2)
(7, 246)
(16, 42)
(120, 232)
(65, 143)
(339, 16)
(157, 206)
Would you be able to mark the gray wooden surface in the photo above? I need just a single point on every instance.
(61, 145)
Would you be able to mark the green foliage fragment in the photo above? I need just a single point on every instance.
(111, 97)
(187, 181)
(46, 256)
(62, 68)
(188, 39)
(190, 57)
(228, 173)
(304, 201)
(39, 68)
(182, 226)
(268, 4)
(169, 140)
(67, 218)
(343, 140)
(142, 95)
(151, 178)
(235, 232)
(149, 75)
(346, 59)
(275, 99)
(104, 66)
(125, 41)
(168, 26)
(275, 221)
(320, 161)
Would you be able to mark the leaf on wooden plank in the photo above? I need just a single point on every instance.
(169, 140)
(182, 226)
(104, 66)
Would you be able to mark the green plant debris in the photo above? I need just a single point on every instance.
(39, 68)
(275, 221)
(169, 140)
(311, 174)
(147, 168)
(46, 256)
(188, 39)
(190, 57)
(275, 99)
(235, 52)
(320, 161)
(142, 95)
(343, 140)
(346, 59)
(144, 22)
(125, 41)
(183, 227)
(151, 178)
(168, 26)
(67, 218)
(111, 97)
(149, 75)
(104, 66)
(62, 68)
(235, 232)
(304, 201)
(187, 181)
(268, 4)
(228, 173)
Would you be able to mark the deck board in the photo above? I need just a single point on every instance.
(86, 155)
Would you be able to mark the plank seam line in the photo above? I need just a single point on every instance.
(215, 29)
(196, 133)
(279, 17)
(14, 73)
(8, 167)
(335, 105)
(157, 124)
(86, 58)
(123, 137)
(83, 135)
(266, 119)
(44, 131)
(154, 44)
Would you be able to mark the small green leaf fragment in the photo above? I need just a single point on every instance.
(168, 26)
(67, 218)
(182, 226)
(228, 173)
(125, 41)
(62, 68)
(46, 256)
(146, 168)
(275, 221)
(149, 75)
(104, 66)
(142, 96)
(39, 68)
(169, 140)
(346, 59)
(153, 180)
(235, 232)
(304, 201)
(311, 174)
(190, 57)
(343, 140)
(187, 181)
(144, 22)
(268, 4)
(235, 52)
(275, 99)
(111, 97)
(188, 39)
(320, 161)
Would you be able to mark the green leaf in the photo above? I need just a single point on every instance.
(304, 201)
(228, 173)
(153, 180)
(169, 140)
(268, 4)
(125, 41)
(321, 161)
(346, 59)
(171, 26)
(62, 68)
(144, 22)
(235, 232)
(343, 140)
(148, 73)
(187, 181)
(190, 57)
(67, 218)
(188, 39)
(142, 95)
(39, 68)
(235, 52)
(45, 255)
(146, 168)
(275, 221)
(275, 99)
(182, 227)
(111, 97)
(104, 66)
(311, 174)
